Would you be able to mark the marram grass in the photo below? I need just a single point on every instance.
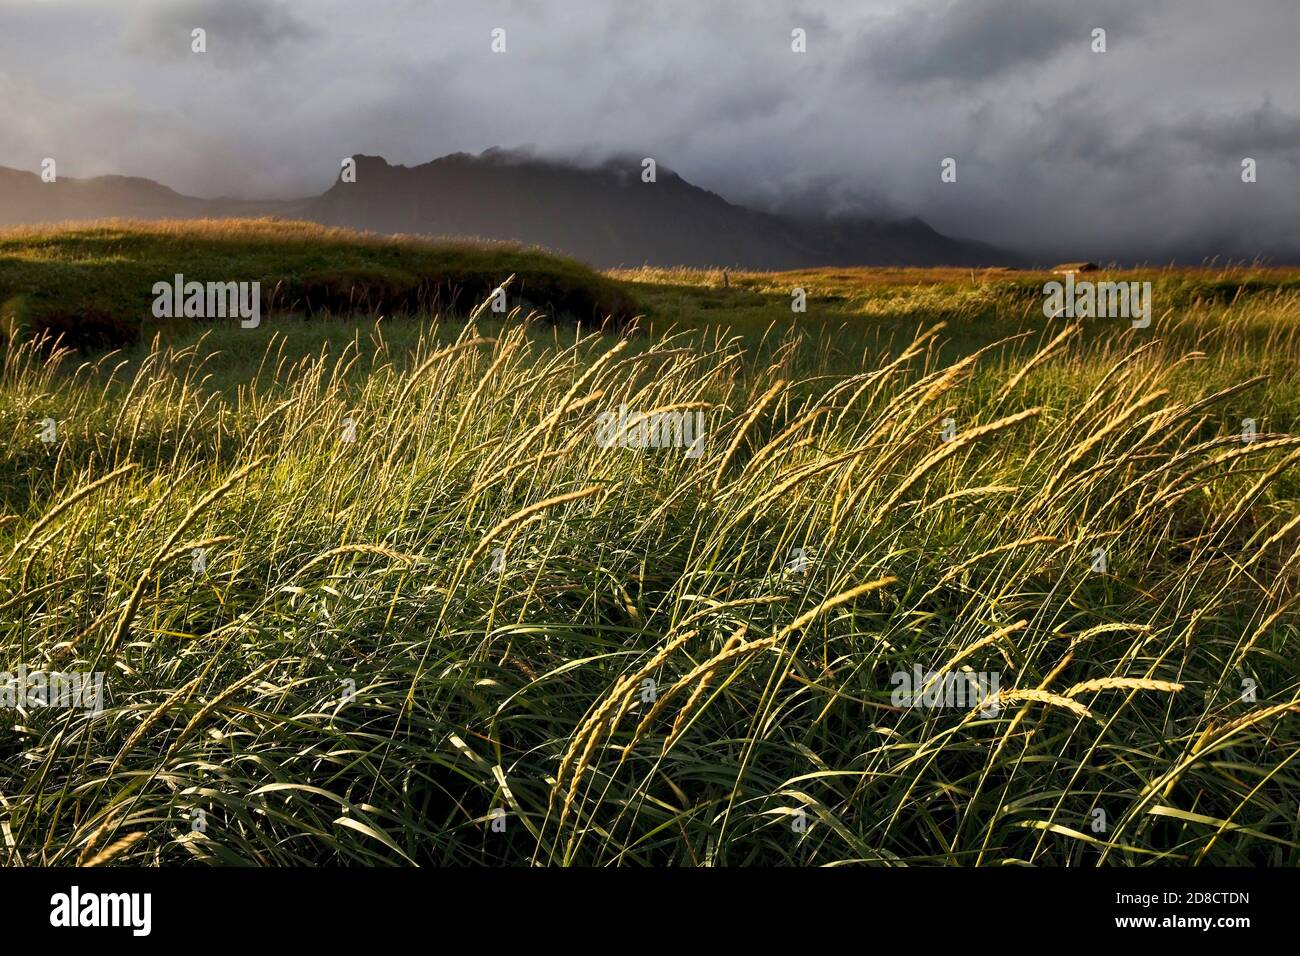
(435, 622)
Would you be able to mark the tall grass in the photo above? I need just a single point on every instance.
(569, 654)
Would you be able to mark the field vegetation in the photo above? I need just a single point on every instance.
(364, 589)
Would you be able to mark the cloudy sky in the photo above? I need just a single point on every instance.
(1135, 152)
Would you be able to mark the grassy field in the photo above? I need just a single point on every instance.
(367, 589)
(92, 284)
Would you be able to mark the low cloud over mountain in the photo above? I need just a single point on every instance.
(605, 214)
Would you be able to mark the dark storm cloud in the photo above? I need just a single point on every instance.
(236, 28)
(1061, 151)
(971, 41)
(968, 41)
(1261, 130)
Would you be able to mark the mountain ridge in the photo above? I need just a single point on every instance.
(601, 213)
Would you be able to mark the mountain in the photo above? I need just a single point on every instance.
(26, 200)
(605, 215)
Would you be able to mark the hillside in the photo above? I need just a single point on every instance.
(604, 215)
(93, 282)
(608, 216)
(380, 593)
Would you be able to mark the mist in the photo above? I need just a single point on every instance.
(1131, 153)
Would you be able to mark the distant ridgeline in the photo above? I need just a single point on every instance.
(621, 213)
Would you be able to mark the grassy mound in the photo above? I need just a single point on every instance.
(93, 282)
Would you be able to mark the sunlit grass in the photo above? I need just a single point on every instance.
(645, 672)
